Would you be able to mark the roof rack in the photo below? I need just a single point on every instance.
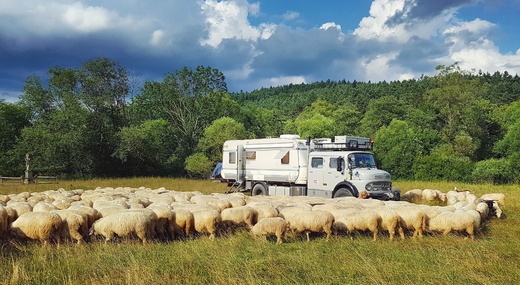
(342, 143)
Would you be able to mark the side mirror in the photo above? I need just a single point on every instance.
(340, 163)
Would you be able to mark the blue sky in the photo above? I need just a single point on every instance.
(259, 43)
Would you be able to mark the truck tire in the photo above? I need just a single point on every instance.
(343, 192)
(259, 189)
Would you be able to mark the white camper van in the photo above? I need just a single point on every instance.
(289, 165)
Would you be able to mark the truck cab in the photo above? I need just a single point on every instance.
(335, 174)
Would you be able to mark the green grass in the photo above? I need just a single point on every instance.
(493, 258)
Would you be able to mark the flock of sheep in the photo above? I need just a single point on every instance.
(165, 215)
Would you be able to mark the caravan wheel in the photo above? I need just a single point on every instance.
(259, 189)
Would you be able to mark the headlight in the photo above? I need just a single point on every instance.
(368, 187)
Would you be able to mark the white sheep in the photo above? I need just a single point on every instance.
(501, 198)
(74, 225)
(207, 221)
(414, 219)
(43, 206)
(357, 220)
(42, 226)
(456, 221)
(413, 195)
(19, 207)
(184, 223)
(123, 224)
(390, 221)
(150, 214)
(263, 210)
(271, 226)
(92, 214)
(238, 217)
(430, 195)
(165, 224)
(210, 200)
(307, 221)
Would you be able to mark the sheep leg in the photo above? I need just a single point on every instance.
(447, 232)
(401, 232)
(375, 234)
(307, 233)
(278, 238)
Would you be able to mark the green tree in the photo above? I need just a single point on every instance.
(454, 99)
(103, 87)
(209, 149)
(397, 146)
(146, 149)
(13, 118)
(380, 112)
(315, 121)
(190, 100)
(75, 118)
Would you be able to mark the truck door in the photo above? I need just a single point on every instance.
(315, 178)
(331, 175)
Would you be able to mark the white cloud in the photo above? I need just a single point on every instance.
(86, 19)
(229, 20)
(285, 80)
(290, 15)
(330, 25)
(374, 26)
(157, 37)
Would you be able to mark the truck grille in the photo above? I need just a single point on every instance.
(379, 186)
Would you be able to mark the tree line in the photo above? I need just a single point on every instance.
(457, 125)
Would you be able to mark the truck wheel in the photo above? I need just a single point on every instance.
(259, 189)
(343, 192)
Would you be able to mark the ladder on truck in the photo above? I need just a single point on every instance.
(240, 174)
(235, 187)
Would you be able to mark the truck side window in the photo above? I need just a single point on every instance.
(317, 162)
(333, 163)
(232, 157)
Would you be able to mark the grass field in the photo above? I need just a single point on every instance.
(493, 258)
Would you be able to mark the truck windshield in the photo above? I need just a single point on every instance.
(360, 160)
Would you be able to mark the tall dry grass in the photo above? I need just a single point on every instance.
(492, 258)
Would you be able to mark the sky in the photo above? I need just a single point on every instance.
(260, 43)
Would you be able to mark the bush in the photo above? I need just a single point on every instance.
(440, 166)
(198, 165)
(496, 171)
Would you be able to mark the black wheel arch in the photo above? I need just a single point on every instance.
(347, 185)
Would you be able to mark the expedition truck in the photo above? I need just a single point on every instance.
(291, 166)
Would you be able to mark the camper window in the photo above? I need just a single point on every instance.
(285, 158)
(232, 157)
(317, 162)
(251, 155)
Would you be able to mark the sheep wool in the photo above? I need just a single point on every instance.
(456, 221)
(239, 216)
(123, 224)
(42, 226)
(207, 221)
(358, 220)
(271, 226)
(308, 221)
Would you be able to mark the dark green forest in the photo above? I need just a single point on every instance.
(81, 123)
